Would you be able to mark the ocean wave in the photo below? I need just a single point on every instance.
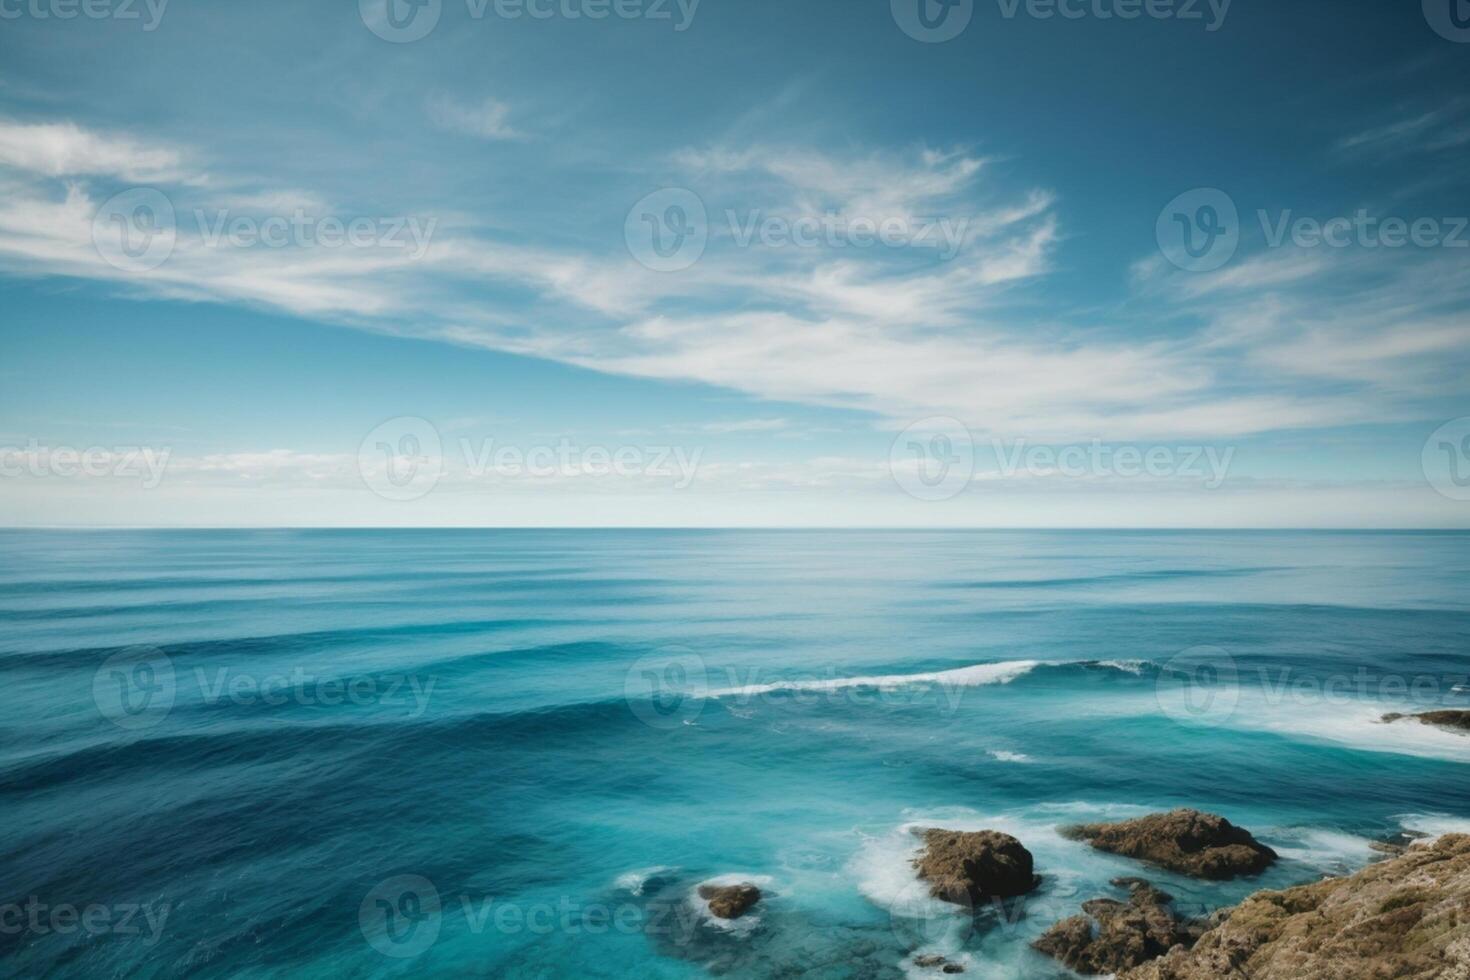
(1358, 725)
(975, 675)
(635, 881)
(1332, 852)
(1435, 825)
(1001, 755)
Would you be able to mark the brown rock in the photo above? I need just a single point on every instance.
(1187, 841)
(933, 962)
(1407, 919)
(971, 868)
(1452, 719)
(730, 901)
(1113, 936)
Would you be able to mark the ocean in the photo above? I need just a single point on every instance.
(518, 753)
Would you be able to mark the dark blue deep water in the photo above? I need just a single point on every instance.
(518, 753)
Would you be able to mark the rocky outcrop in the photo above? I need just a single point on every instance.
(973, 867)
(1113, 936)
(934, 962)
(1407, 918)
(1452, 719)
(730, 901)
(1187, 841)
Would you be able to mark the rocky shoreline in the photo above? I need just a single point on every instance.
(1450, 719)
(1408, 916)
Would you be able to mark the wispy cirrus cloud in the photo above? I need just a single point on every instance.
(487, 119)
(1280, 339)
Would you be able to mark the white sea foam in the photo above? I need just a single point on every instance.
(1135, 667)
(1359, 726)
(1331, 852)
(977, 675)
(636, 881)
(1001, 755)
(1436, 825)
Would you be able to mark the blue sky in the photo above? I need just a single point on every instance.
(879, 232)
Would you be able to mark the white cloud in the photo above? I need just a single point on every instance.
(488, 119)
(65, 150)
(1277, 340)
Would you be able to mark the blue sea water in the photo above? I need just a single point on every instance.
(518, 753)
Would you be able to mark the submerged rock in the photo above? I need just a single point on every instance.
(730, 901)
(1112, 936)
(1452, 719)
(933, 962)
(968, 868)
(1407, 918)
(1187, 841)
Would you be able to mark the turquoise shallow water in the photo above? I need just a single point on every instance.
(517, 753)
